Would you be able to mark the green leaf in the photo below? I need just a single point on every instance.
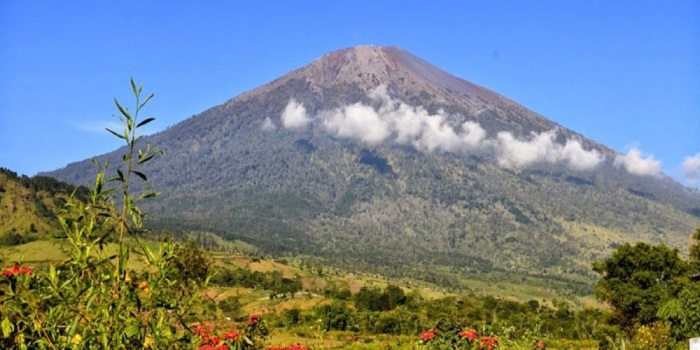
(149, 195)
(145, 121)
(145, 159)
(115, 133)
(140, 174)
(145, 101)
(122, 110)
(133, 87)
(7, 327)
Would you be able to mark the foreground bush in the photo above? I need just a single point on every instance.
(96, 298)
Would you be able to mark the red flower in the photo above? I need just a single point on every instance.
(488, 343)
(276, 347)
(202, 330)
(540, 344)
(428, 335)
(253, 319)
(231, 335)
(470, 335)
(17, 270)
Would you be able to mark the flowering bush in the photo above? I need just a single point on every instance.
(451, 339)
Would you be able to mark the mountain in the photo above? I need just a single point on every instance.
(370, 156)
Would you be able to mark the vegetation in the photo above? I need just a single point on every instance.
(93, 299)
(117, 288)
(440, 217)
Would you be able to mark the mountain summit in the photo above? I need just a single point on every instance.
(371, 156)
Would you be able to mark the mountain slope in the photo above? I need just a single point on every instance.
(372, 156)
(28, 206)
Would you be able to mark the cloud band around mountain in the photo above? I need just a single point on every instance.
(637, 163)
(401, 123)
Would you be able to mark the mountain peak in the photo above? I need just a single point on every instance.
(371, 66)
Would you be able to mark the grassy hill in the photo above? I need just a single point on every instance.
(28, 206)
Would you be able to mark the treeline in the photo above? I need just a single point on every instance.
(392, 311)
(46, 183)
(273, 281)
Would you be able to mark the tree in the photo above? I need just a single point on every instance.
(638, 279)
(694, 253)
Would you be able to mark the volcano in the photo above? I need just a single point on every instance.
(372, 157)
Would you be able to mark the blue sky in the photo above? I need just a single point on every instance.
(623, 73)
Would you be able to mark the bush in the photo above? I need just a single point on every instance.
(92, 300)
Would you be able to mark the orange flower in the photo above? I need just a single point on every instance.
(470, 335)
(540, 344)
(488, 343)
(428, 335)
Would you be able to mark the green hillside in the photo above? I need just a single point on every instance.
(28, 206)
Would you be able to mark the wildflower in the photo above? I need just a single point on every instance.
(17, 270)
(202, 330)
(488, 343)
(470, 335)
(144, 287)
(231, 335)
(253, 319)
(76, 339)
(147, 342)
(540, 344)
(428, 335)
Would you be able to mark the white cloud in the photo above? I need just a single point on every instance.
(357, 121)
(267, 125)
(402, 123)
(395, 121)
(638, 164)
(691, 166)
(294, 115)
(578, 158)
(542, 148)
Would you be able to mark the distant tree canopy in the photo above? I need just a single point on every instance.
(638, 279)
(646, 283)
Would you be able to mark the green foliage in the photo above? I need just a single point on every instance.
(695, 250)
(245, 277)
(92, 300)
(12, 237)
(638, 279)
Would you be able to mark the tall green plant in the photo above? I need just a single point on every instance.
(113, 291)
